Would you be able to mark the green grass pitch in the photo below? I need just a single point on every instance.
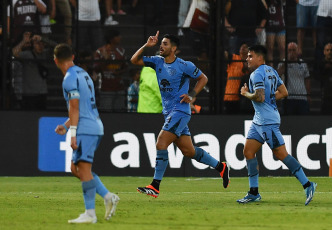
(184, 203)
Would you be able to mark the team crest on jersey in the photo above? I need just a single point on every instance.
(171, 71)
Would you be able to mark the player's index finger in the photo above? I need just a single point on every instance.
(157, 34)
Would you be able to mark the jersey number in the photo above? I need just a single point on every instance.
(90, 87)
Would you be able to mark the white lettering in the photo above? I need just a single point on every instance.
(175, 157)
(327, 139)
(212, 148)
(65, 146)
(302, 151)
(267, 155)
(150, 143)
(132, 148)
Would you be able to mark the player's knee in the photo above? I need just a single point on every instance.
(188, 153)
(161, 146)
(248, 155)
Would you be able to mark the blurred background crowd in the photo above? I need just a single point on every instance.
(214, 34)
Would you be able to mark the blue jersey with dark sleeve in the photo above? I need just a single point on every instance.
(77, 84)
(173, 79)
(267, 78)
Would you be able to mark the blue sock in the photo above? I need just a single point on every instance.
(89, 193)
(253, 172)
(205, 158)
(161, 164)
(296, 169)
(100, 187)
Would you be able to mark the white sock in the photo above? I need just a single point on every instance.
(91, 212)
(108, 196)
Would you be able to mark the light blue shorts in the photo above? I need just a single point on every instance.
(266, 133)
(177, 122)
(87, 145)
(306, 16)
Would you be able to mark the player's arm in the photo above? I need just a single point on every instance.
(137, 58)
(73, 116)
(258, 95)
(201, 82)
(281, 92)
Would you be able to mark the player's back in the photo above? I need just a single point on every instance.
(267, 78)
(78, 83)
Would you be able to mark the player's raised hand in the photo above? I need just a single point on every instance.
(244, 89)
(152, 40)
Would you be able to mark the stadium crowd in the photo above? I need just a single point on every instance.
(104, 35)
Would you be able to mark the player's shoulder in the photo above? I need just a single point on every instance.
(73, 73)
(183, 63)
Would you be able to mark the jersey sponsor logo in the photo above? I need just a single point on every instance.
(54, 150)
(165, 83)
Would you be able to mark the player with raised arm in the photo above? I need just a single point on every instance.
(173, 75)
(265, 87)
(86, 130)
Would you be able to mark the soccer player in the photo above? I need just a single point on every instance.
(86, 130)
(173, 75)
(265, 87)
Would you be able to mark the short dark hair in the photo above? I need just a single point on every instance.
(175, 41)
(110, 34)
(259, 49)
(63, 52)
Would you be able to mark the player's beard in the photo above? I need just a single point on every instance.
(165, 53)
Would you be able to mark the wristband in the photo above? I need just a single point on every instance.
(64, 125)
(73, 131)
(192, 93)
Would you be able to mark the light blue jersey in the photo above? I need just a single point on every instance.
(267, 78)
(77, 84)
(173, 79)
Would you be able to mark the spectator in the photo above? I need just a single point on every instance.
(34, 92)
(85, 61)
(111, 63)
(63, 7)
(244, 21)
(306, 16)
(236, 70)
(45, 18)
(298, 82)
(182, 14)
(110, 9)
(325, 75)
(132, 92)
(25, 18)
(90, 33)
(149, 98)
(133, 7)
(275, 29)
(324, 23)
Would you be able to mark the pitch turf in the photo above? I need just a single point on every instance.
(184, 203)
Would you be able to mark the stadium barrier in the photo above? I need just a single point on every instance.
(30, 147)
